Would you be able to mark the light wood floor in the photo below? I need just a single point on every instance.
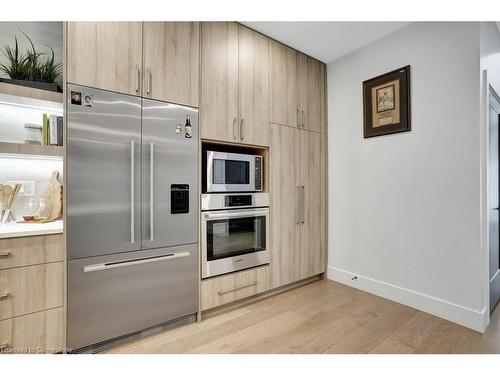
(322, 317)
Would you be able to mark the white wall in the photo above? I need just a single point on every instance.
(405, 209)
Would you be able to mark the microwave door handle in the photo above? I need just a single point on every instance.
(151, 193)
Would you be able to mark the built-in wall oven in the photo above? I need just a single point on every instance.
(235, 232)
(233, 172)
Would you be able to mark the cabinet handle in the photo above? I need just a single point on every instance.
(220, 292)
(298, 120)
(299, 205)
(138, 87)
(149, 79)
(241, 129)
(4, 254)
(234, 133)
(303, 120)
(303, 204)
(4, 295)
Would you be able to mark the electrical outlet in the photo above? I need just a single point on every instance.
(27, 188)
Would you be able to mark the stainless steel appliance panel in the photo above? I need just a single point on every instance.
(103, 173)
(169, 163)
(115, 295)
(230, 249)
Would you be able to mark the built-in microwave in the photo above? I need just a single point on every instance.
(233, 172)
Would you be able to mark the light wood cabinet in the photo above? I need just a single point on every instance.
(283, 85)
(32, 294)
(38, 333)
(316, 81)
(171, 61)
(25, 290)
(297, 89)
(284, 210)
(219, 81)
(313, 200)
(26, 251)
(298, 216)
(158, 60)
(253, 86)
(224, 289)
(234, 84)
(105, 55)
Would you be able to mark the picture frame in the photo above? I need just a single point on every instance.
(387, 104)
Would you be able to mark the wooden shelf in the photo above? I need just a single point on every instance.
(28, 149)
(29, 92)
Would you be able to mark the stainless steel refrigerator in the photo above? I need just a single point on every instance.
(131, 214)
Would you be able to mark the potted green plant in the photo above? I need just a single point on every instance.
(31, 68)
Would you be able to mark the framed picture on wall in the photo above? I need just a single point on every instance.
(386, 103)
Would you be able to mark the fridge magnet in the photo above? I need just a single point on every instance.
(76, 98)
(386, 103)
(88, 100)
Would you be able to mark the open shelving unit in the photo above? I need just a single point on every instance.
(29, 92)
(30, 96)
(30, 149)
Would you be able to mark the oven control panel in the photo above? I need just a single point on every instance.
(238, 200)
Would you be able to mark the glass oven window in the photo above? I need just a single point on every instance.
(231, 237)
(234, 172)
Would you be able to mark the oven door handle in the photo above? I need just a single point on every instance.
(225, 215)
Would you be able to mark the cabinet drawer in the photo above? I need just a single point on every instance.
(30, 289)
(42, 332)
(26, 251)
(224, 289)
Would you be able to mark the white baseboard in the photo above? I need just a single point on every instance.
(473, 319)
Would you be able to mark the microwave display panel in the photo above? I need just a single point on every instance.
(230, 172)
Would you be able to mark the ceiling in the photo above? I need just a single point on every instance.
(326, 41)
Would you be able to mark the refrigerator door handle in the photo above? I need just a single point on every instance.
(151, 193)
(132, 192)
(106, 266)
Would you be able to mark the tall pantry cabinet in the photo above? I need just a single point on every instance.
(297, 166)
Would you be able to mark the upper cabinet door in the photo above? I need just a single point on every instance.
(315, 116)
(284, 101)
(172, 61)
(302, 88)
(253, 87)
(219, 81)
(105, 55)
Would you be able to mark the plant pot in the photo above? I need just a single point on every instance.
(37, 85)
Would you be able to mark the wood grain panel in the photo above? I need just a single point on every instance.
(219, 81)
(312, 230)
(31, 289)
(302, 93)
(253, 87)
(38, 333)
(172, 57)
(232, 287)
(283, 85)
(315, 116)
(284, 247)
(105, 55)
(25, 251)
